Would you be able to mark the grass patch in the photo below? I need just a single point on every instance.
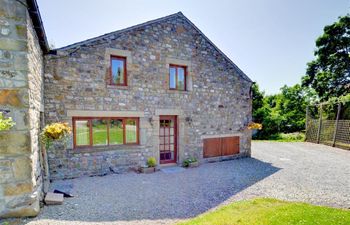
(290, 137)
(265, 211)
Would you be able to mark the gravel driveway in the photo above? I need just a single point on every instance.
(291, 171)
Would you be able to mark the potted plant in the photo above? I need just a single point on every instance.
(150, 166)
(190, 162)
(54, 132)
(254, 127)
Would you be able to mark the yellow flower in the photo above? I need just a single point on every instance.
(55, 131)
(254, 126)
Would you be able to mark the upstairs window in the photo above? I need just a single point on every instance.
(177, 77)
(118, 71)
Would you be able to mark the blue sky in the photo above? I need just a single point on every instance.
(270, 40)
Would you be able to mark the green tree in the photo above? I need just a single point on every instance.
(329, 73)
(291, 106)
(262, 113)
(258, 98)
(280, 113)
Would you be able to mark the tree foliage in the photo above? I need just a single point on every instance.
(329, 73)
(280, 113)
(327, 78)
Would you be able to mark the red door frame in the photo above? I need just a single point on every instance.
(174, 118)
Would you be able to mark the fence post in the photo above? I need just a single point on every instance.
(319, 126)
(336, 125)
(306, 121)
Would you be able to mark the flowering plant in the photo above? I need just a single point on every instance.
(6, 123)
(254, 126)
(54, 132)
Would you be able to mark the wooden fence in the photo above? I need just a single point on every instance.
(335, 132)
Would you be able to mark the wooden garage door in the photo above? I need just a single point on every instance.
(230, 145)
(213, 147)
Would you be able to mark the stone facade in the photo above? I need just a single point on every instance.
(217, 101)
(21, 95)
(74, 83)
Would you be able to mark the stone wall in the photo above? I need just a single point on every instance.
(21, 72)
(68, 163)
(217, 101)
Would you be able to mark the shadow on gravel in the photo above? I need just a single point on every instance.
(158, 196)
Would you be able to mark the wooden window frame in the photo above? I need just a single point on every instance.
(176, 77)
(89, 119)
(125, 75)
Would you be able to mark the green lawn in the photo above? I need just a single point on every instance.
(100, 135)
(265, 211)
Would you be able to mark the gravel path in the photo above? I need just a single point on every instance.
(291, 171)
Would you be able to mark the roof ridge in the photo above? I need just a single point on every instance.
(119, 31)
(240, 72)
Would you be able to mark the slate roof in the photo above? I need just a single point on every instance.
(179, 14)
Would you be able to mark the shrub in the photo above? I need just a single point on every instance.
(296, 136)
(187, 162)
(151, 162)
(290, 137)
(6, 123)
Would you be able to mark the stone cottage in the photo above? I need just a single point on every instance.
(159, 89)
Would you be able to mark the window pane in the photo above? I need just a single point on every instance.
(166, 140)
(82, 133)
(172, 79)
(118, 71)
(181, 78)
(116, 132)
(99, 132)
(161, 131)
(131, 131)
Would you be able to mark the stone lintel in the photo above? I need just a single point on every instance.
(118, 52)
(221, 135)
(91, 113)
(179, 62)
(170, 112)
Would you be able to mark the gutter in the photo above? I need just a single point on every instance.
(33, 9)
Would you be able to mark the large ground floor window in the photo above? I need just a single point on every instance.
(105, 131)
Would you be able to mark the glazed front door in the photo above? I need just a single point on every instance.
(167, 139)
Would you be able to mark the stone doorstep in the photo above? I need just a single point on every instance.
(167, 165)
(53, 199)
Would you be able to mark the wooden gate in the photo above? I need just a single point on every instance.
(225, 146)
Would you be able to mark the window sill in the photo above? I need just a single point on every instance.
(120, 87)
(177, 91)
(129, 147)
